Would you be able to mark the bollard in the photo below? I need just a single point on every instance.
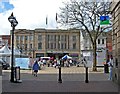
(86, 70)
(86, 80)
(17, 75)
(60, 79)
(106, 68)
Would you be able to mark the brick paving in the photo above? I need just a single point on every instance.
(65, 70)
(47, 81)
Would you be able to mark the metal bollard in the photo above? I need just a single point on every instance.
(86, 80)
(17, 75)
(60, 79)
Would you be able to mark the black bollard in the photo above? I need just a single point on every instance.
(86, 80)
(106, 68)
(60, 79)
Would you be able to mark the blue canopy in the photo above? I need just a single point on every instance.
(66, 57)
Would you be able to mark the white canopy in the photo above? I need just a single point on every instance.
(5, 50)
(16, 51)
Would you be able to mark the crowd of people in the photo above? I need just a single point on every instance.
(39, 64)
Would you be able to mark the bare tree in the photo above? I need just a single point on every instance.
(85, 16)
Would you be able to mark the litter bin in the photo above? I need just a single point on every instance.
(17, 74)
(106, 68)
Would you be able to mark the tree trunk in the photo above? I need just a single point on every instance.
(94, 57)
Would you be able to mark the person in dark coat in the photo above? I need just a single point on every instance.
(35, 68)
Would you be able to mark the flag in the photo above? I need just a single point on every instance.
(56, 20)
(46, 20)
(66, 18)
(104, 20)
(56, 17)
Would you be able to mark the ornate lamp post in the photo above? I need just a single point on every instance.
(14, 23)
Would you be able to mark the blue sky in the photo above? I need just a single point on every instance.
(5, 6)
(30, 14)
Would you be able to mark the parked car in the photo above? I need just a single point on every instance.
(4, 64)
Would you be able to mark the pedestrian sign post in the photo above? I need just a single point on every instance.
(104, 20)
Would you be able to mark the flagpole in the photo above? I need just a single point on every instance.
(45, 35)
(66, 19)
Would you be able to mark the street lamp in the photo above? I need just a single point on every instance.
(14, 23)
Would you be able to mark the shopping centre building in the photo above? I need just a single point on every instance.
(48, 42)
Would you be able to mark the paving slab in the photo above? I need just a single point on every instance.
(47, 81)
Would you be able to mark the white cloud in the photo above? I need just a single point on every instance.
(30, 14)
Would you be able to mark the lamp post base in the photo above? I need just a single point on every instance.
(11, 80)
(86, 81)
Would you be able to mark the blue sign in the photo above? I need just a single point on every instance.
(22, 62)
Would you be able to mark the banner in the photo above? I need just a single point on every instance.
(104, 20)
(22, 62)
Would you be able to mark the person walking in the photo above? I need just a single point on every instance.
(40, 64)
(110, 63)
(35, 68)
